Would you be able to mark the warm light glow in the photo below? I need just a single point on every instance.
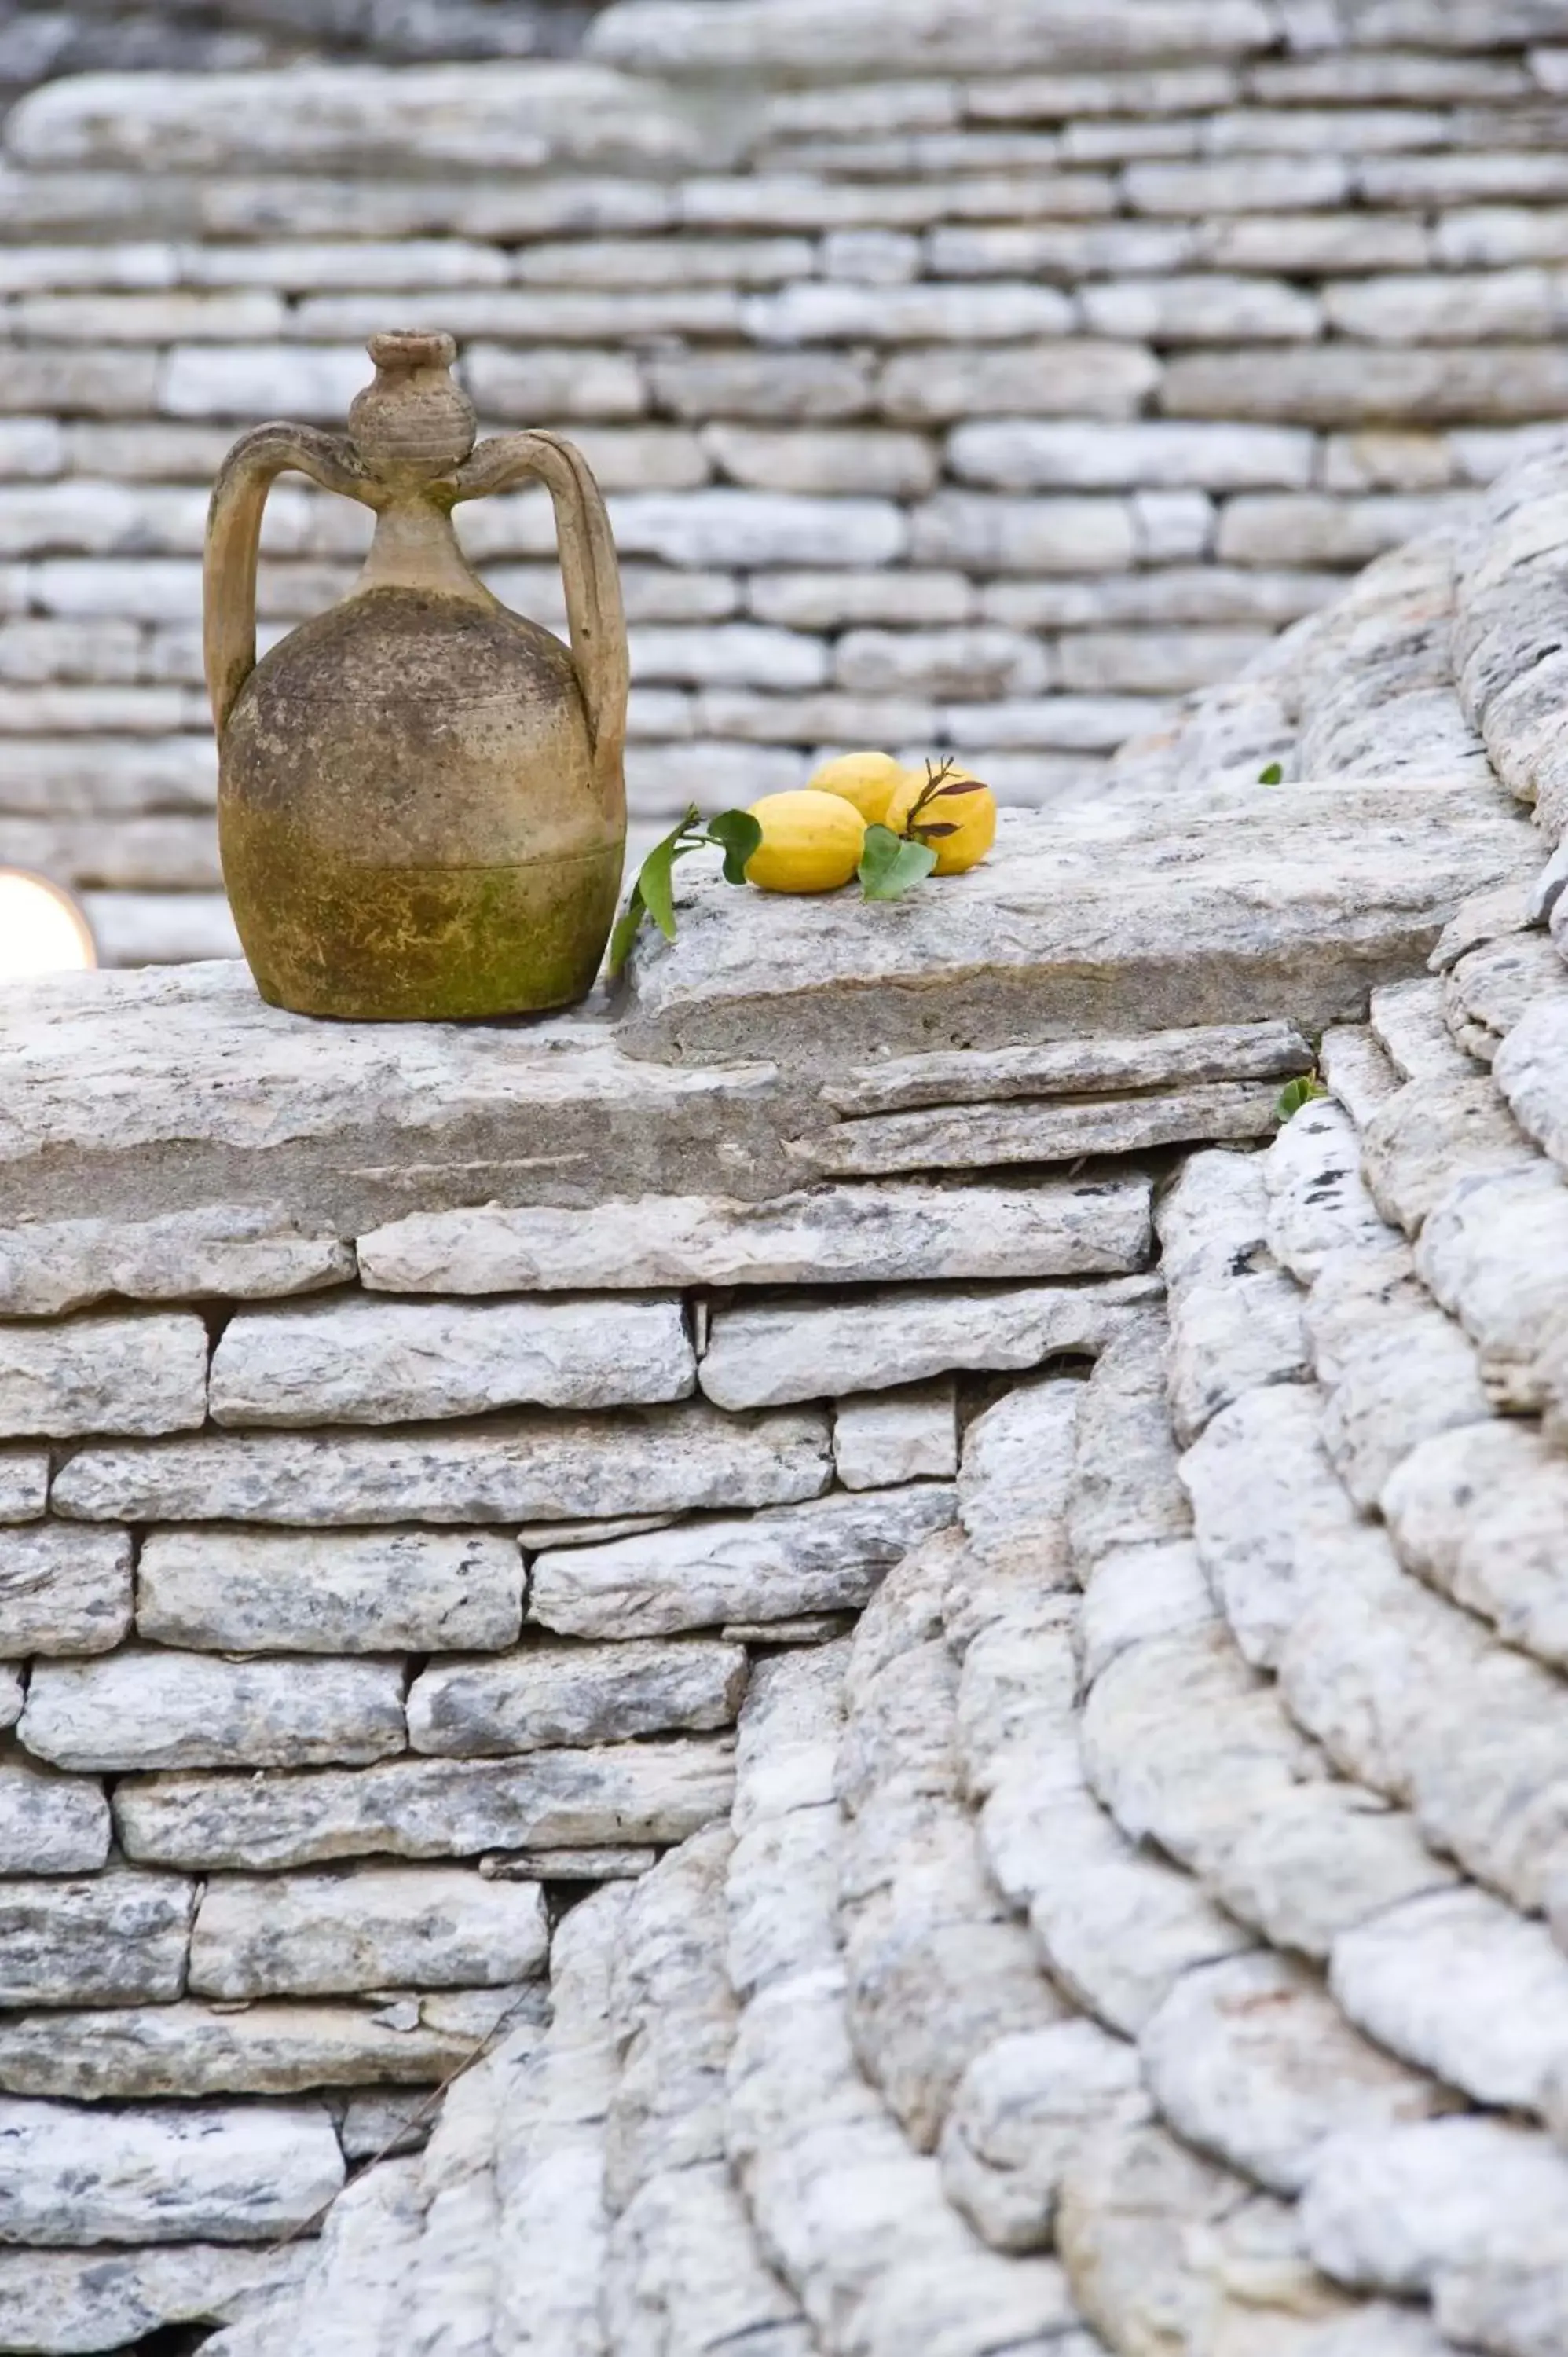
(42, 930)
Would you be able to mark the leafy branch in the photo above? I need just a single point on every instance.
(734, 832)
(891, 864)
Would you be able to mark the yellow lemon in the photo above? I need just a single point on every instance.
(869, 780)
(922, 803)
(810, 843)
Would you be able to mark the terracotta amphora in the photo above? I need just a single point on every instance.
(421, 805)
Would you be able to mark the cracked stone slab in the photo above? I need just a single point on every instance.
(548, 1694)
(635, 1793)
(116, 1938)
(224, 2174)
(350, 1126)
(1357, 1070)
(1430, 1136)
(103, 2298)
(1074, 1068)
(142, 1708)
(1483, 1514)
(316, 1592)
(1488, 991)
(517, 1469)
(1495, 1253)
(851, 1235)
(49, 1823)
(1464, 1988)
(772, 1355)
(145, 1373)
(982, 1137)
(1531, 1070)
(351, 2299)
(63, 1590)
(1252, 2061)
(1155, 1590)
(1126, 1488)
(369, 1361)
(1235, 1319)
(1322, 1859)
(363, 1927)
(24, 1484)
(1395, 2209)
(1319, 1201)
(1263, 1495)
(825, 1556)
(1410, 1024)
(1016, 1478)
(881, 1438)
(1022, 2109)
(52, 1266)
(1093, 922)
(130, 2053)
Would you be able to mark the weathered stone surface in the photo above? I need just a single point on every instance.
(139, 1374)
(1357, 1070)
(1263, 1498)
(853, 1235)
(1483, 1514)
(52, 1267)
(1322, 1859)
(1166, 1059)
(1091, 924)
(812, 44)
(975, 1136)
(59, 2301)
(63, 1591)
(1492, 1251)
(1125, 1491)
(1463, 1986)
(1235, 1319)
(606, 1864)
(521, 1468)
(307, 1592)
(1394, 2208)
(49, 1823)
(145, 1709)
(24, 1484)
(801, 1351)
(1529, 1068)
(1409, 1025)
(881, 1438)
(1251, 2059)
(112, 1939)
(1318, 1202)
(364, 1928)
(1022, 2106)
(229, 2174)
(1154, 1590)
(564, 1694)
(388, 1362)
(426, 1808)
(1488, 991)
(829, 1556)
(1398, 1370)
(1429, 1136)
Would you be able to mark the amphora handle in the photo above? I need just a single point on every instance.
(588, 567)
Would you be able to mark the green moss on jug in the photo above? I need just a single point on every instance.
(421, 807)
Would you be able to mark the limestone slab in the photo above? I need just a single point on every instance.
(1408, 1024)
(143, 1708)
(24, 1484)
(63, 1591)
(548, 1694)
(1093, 924)
(855, 1235)
(1529, 1070)
(521, 1468)
(970, 1137)
(621, 1864)
(1399, 1370)
(1251, 2059)
(144, 1373)
(1495, 1253)
(72, 2175)
(1357, 1070)
(52, 1266)
(1489, 991)
(364, 1928)
(426, 1808)
(1125, 1486)
(881, 1438)
(828, 1555)
(50, 1823)
(311, 1592)
(1073, 1068)
(1320, 1860)
(1154, 1590)
(1021, 2108)
(1483, 1514)
(1429, 1136)
(1235, 1319)
(109, 1939)
(346, 1126)
(1394, 2208)
(55, 2302)
(1264, 1497)
(1016, 1477)
(1318, 1202)
(769, 1355)
(391, 1362)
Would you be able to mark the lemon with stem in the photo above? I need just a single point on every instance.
(951, 810)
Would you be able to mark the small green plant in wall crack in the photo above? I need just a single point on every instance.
(1296, 1093)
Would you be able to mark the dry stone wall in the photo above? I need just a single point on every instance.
(983, 380)
(932, 1665)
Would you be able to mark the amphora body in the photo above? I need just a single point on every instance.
(421, 805)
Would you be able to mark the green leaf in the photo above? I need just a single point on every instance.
(1272, 776)
(654, 893)
(738, 835)
(1296, 1093)
(625, 930)
(890, 867)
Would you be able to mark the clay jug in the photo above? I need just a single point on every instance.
(421, 805)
